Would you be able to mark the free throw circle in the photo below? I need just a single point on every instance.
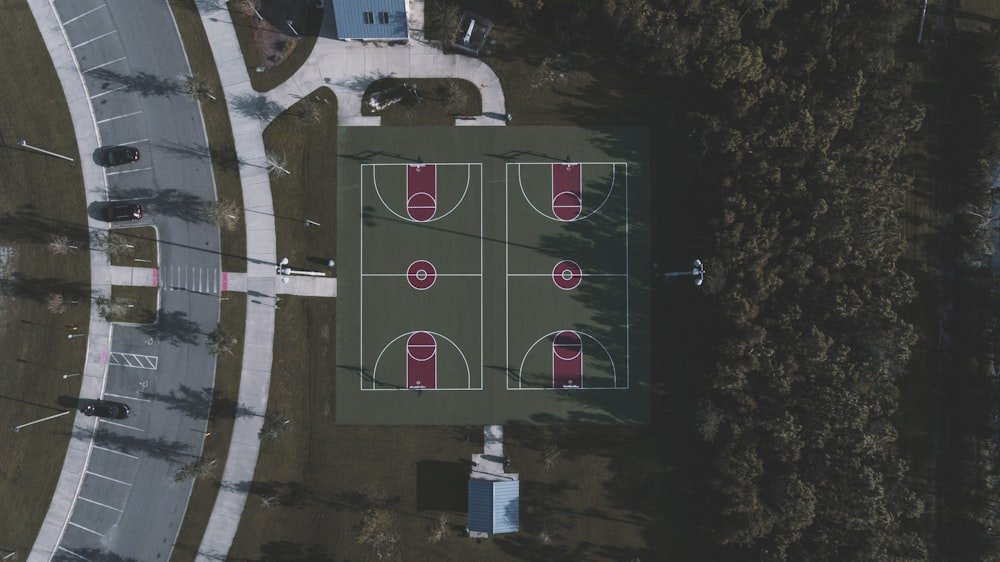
(567, 275)
(567, 206)
(421, 275)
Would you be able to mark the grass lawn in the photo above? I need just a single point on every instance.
(40, 197)
(143, 252)
(141, 306)
(304, 139)
(269, 44)
(220, 425)
(437, 101)
(225, 166)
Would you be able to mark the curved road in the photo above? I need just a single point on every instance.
(130, 57)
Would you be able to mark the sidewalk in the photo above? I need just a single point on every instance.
(98, 330)
(347, 68)
(237, 282)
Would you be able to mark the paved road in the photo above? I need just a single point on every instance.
(130, 57)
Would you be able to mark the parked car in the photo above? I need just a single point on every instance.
(105, 409)
(118, 155)
(123, 212)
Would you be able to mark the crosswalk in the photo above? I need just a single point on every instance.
(205, 280)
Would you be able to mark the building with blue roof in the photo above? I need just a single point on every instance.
(371, 20)
(494, 506)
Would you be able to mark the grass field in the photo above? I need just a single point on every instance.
(39, 196)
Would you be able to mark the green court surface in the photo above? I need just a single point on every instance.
(491, 275)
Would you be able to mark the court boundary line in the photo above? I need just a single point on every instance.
(508, 274)
(361, 238)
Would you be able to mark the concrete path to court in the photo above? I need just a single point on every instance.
(347, 68)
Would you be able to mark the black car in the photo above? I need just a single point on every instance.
(118, 155)
(105, 409)
(123, 212)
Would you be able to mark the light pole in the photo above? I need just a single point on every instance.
(17, 428)
(71, 336)
(24, 144)
(698, 271)
(289, 23)
(284, 271)
(70, 375)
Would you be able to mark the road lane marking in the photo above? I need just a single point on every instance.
(127, 397)
(129, 484)
(102, 65)
(128, 171)
(86, 529)
(88, 12)
(116, 452)
(101, 36)
(88, 500)
(118, 117)
(109, 422)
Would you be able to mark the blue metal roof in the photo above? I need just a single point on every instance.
(370, 19)
(494, 506)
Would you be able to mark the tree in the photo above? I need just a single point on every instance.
(59, 244)
(113, 308)
(274, 427)
(220, 341)
(224, 214)
(111, 243)
(197, 87)
(203, 467)
(379, 531)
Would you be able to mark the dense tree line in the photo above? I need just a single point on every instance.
(970, 477)
(797, 113)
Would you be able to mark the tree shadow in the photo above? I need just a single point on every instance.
(256, 106)
(28, 224)
(159, 448)
(142, 83)
(286, 551)
(165, 202)
(21, 286)
(94, 554)
(173, 328)
(225, 157)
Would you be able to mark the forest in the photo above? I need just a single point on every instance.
(800, 120)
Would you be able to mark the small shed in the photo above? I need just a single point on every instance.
(494, 506)
(371, 20)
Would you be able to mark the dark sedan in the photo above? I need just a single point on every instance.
(118, 155)
(105, 409)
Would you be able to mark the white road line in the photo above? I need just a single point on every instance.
(123, 425)
(102, 65)
(86, 529)
(118, 117)
(581, 275)
(117, 453)
(128, 171)
(88, 500)
(109, 478)
(71, 553)
(90, 11)
(127, 397)
(111, 91)
(101, 36)
(136, 142)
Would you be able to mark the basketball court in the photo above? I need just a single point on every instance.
(492, 275)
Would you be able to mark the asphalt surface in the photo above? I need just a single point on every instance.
(131, 59)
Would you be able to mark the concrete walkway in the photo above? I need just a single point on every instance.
(347, 68)
(236, 282)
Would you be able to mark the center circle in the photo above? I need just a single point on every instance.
(421, 275)
(567, 275)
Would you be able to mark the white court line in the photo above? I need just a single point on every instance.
(101, 36)
(118, 117)
(88, 500)
(90, 11)
(482, 319)
(436, 275)
(127, 397)
(117, 453)
(77, 525)
(361, 284)
(628, 312)
(123, 425)
(108, 92)
(506, 278)
(109, 478)
(581, 275)
(128, 171)
(71, 553)
(102, 65)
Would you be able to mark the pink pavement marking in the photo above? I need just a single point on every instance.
(225, 281)
(104, 357)
(156, 277)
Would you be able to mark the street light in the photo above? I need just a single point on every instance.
(71, 336)
(17, 428)
(698, 271)
(70, 375)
